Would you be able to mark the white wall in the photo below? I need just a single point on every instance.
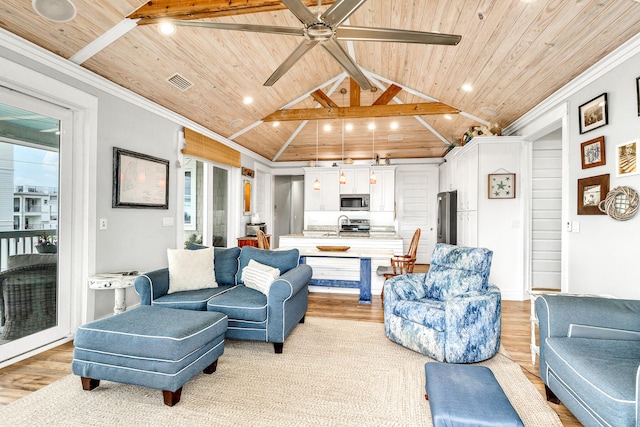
(602, 256)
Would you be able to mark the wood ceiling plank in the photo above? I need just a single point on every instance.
(354, 93)
(388, 95)
(154, 11)
(421, 109)
(322, 99)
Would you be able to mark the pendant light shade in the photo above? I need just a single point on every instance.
(373, 179)
(316, 183)
(343, 178)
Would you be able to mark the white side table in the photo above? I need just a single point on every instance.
(118, 281)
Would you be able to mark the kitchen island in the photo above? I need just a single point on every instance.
(342, 271)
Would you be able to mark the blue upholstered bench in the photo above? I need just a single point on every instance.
(467, 395)
(154, 347)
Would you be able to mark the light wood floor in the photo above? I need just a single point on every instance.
(32, 374)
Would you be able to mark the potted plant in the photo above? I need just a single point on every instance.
(47, 244)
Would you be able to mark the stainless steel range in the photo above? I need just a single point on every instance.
(354, 227)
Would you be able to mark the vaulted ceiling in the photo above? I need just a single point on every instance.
(513, 53)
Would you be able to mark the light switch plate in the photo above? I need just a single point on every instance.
(103, 223)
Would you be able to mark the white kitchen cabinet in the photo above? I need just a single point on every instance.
(383, 192)
(467, 232)
(467, 179)
(357, 181)
(327, 198)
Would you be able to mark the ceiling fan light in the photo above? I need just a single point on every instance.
(55, 10)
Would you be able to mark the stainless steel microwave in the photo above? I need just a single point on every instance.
(354, 202)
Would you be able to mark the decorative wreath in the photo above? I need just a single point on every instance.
(620, 204)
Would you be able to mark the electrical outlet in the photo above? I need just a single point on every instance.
(568, 226)
(103, 223)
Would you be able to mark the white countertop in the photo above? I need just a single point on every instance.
(351, 253)
(334, 235)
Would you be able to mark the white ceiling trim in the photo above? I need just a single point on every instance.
(109, 37)
(247, 129)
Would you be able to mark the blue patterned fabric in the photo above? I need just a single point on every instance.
(451, 313)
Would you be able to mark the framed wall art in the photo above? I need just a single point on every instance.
(593, 153)
(591, 191)
(627, 158)
(638, 93)
(502, 185)
(593, 114)
(139, 181)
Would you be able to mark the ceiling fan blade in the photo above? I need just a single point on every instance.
(302, 48)
(349, 65)
(289, 31)
(398, 36)
(341, 10)
(301, 12)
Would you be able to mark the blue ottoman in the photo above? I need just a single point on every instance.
(467, 395)
(154, 347)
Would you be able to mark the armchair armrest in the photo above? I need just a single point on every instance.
(556, 314)
(152, 285)
(287, 302)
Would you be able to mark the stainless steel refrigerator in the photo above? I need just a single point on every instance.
(447, 218)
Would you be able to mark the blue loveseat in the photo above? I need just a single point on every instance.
(590, 357)
(451, 314)
(252, 314)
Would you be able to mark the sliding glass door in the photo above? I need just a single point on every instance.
(35, 302)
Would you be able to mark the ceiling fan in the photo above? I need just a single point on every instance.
(326, 29)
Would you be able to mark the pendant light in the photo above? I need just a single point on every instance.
(343, 178)
(316, 183)
(373, 179)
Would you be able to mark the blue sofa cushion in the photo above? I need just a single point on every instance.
(241, 302)
(283, 260)
(425, 312)
(225, 263)
(598, 372)
(190, 300)
(457, 270)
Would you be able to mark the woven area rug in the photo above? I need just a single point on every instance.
(332, 373)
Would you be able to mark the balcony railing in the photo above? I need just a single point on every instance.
(18, 243)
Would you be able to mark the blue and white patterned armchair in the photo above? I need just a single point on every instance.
(451, 314)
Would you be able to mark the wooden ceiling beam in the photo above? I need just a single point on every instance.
(396, 110)
(323, 99)
(388, 95)
(354, 93)
(157, 10)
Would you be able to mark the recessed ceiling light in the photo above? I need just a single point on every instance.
(394, 125)
(371, 126)
(327, 128)
(348, 127)
(247, 100)
(467, 87)
(55, 10)
(167, 28)
(448, 116)
(275, 124)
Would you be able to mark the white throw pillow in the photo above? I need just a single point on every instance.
(191, 269)
(259, 276)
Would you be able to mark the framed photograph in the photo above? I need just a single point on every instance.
(593, 153)
(593, 114)
(627, 158)
(139, 181)
(638, 93)
(502, 185)
(591, 191)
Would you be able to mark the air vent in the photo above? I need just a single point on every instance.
(395, 137)
(180, 82)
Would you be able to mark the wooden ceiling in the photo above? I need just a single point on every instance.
(514, 54)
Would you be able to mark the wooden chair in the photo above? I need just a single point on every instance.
(263, 243)
(401, 264)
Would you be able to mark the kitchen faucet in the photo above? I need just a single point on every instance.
(340, 222)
